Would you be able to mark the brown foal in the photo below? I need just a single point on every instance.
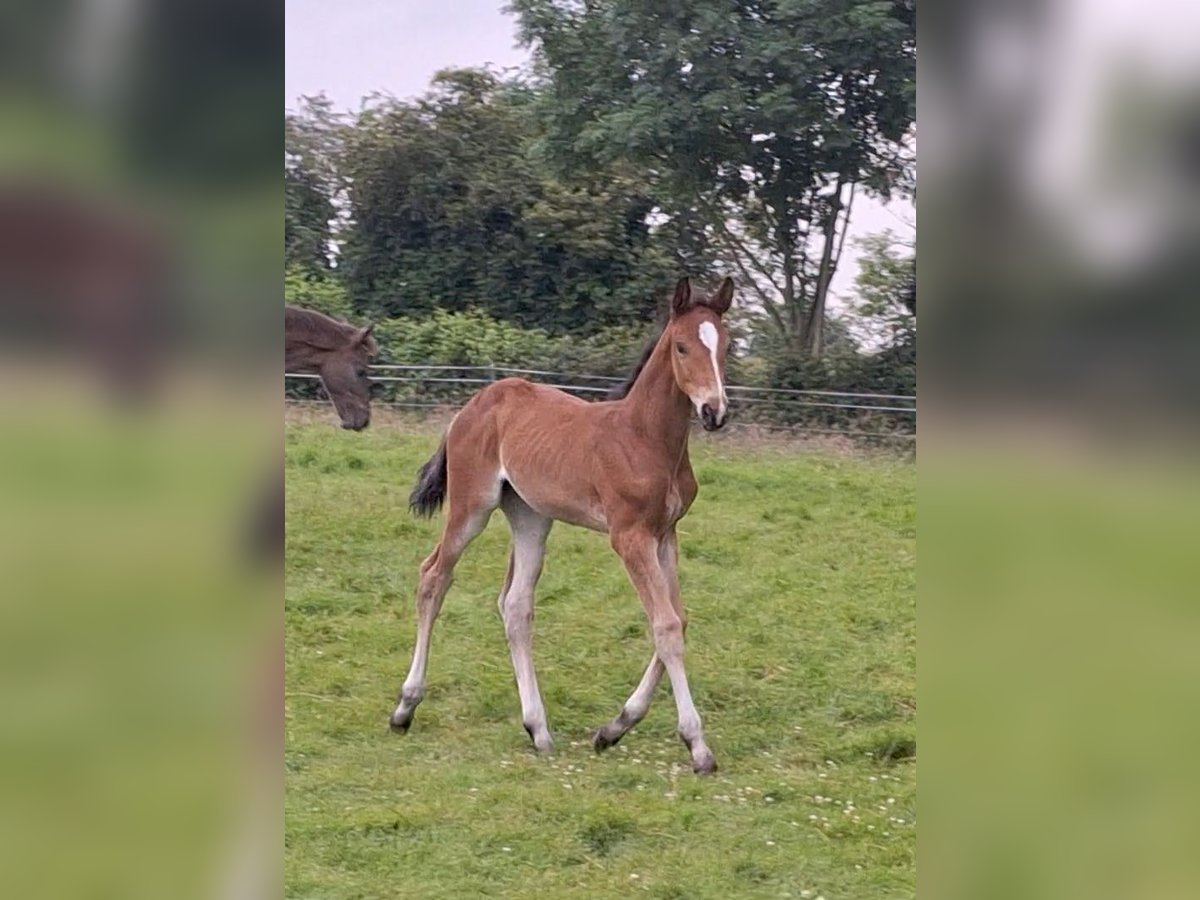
(316, 344)
(619, 467)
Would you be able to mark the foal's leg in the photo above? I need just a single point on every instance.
(639, 551)
(529, 531)
(437, 572)
(638, 704)
(634, 709)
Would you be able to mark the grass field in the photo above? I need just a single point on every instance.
(798, 570)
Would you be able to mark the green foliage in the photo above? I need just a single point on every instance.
(871, 348)
(469, 338)
(473, 338)
(457, 233)
(790, 665)
(886, 302)
(754, 120)
(310, 185)
(306, 214)
(301, 287)
(450, 208)
(839, 369)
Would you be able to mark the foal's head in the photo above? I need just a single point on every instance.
(344, 374)
(699, 341)
(339, 353)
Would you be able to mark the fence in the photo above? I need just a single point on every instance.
(862, 416)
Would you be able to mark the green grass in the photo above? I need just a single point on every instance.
(798, 571)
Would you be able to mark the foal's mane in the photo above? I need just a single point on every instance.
(319, 330)
(622, 390)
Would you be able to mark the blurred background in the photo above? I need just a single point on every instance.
(1058, 479)
(140, 258)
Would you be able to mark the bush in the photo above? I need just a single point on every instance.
(319, 292)
(471, 340)
(462, 339)
(474, 338)
(841, 369)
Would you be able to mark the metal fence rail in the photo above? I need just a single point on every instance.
(495, 372)
(860, 415)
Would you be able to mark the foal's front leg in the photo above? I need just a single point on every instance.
(638, 549)
(635, 708)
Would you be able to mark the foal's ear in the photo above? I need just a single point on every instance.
(362, 339)
(721, 300)
(682, 301)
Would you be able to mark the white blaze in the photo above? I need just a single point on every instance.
(710, 339)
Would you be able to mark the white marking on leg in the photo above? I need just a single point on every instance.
(654, 586)
(690, 728)
(634, 709)
(507, 584)
(430, 592)
(638, 703)
(529, 548)
(437, 574)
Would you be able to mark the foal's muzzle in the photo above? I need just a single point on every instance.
(711, 418)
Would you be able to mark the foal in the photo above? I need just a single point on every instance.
(339, 353)
(619, 467)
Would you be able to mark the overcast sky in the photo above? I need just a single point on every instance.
(350, 48)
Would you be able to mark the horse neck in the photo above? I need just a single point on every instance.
(304, 351)
(655, 404)
(302, 357)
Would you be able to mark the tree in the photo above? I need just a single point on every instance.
(307, 212)
(886, 313)
(758, 118)
(886, 304)
(311, 185)
(449, 206)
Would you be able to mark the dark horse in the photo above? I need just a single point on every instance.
(339, 353)
(316, 344)
(80, 273)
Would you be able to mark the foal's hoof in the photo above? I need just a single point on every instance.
(706, 765)
(542, 742)
(602, 739)
(400, 724)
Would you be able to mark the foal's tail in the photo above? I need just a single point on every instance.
(429, 492)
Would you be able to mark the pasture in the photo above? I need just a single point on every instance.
(798, 570)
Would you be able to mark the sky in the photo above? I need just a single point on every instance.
(351, 48)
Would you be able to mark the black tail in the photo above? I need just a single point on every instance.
(429, 492)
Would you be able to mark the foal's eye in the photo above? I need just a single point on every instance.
(680, 349)
(362, 373)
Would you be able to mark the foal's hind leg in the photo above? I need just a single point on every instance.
(463, 523)
(529, 532)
